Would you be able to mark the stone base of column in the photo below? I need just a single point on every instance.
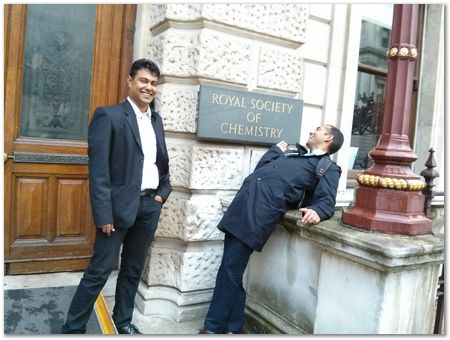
(388, 211)
(170, 302)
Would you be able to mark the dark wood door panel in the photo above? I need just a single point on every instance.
(50, 212)
(72, 209)
(29, 200)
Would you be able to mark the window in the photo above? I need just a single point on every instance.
(57, 71)
(371, 83)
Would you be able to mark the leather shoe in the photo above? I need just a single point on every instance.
(128, 329)
(205, 331)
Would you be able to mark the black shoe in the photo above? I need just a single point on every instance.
(128, 329)
(205, 331)
(66, 330)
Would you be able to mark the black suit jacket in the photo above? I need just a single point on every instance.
(116, 162)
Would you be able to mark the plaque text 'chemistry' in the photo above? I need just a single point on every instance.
(233, 115)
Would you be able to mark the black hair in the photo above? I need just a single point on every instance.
(337, 141)
(144, 64)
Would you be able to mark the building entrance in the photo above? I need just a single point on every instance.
(61, 61)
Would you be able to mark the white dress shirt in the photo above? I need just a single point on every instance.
(150, 175)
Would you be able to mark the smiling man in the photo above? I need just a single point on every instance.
(128, 184)
(282, 180)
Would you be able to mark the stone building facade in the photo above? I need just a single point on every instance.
(303, 51)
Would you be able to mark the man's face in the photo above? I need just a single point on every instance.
(142, 88)
(318, 137)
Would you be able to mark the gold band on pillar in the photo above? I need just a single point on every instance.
(390, 182)
(402, 52)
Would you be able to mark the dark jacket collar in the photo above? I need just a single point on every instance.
(301, 149)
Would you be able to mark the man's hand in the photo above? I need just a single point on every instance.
(107, 229)
(283, 145)
(159, 199)
(309, 216)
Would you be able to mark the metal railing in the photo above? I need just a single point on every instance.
(430, 174)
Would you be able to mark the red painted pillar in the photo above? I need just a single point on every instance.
(388, 198)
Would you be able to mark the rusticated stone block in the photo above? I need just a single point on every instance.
(177, 105)
(183, 269)
(193, 219)
(202, 53)
(201, 167)
(216, 168)
(172, 217)
(179, 164)
(203, 213)
(280, 69)
(287, 21)
(200, 270)
(224, 57)
(280, 20)
(181, 12)
(176, 52)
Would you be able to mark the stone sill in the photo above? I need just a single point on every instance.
(378, 250)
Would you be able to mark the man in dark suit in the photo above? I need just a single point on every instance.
(282, 180)
(128, 184)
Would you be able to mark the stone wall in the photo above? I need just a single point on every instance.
(335, 279)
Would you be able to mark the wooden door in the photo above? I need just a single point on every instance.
(61, 61)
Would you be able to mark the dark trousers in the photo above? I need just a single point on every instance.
(136, 241)
(226, 311)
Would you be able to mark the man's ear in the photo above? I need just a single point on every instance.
(327, 141)
(328, 138)
(129, 81)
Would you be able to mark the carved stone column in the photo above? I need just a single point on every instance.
(389, 197)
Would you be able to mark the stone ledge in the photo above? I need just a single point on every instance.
(378, 250)
(381, 251)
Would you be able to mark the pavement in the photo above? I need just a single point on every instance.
(147, 324)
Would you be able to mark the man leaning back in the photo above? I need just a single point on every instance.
(282, 180)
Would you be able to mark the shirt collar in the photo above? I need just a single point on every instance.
(304, 152)
(315, 153)
(136, 109)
